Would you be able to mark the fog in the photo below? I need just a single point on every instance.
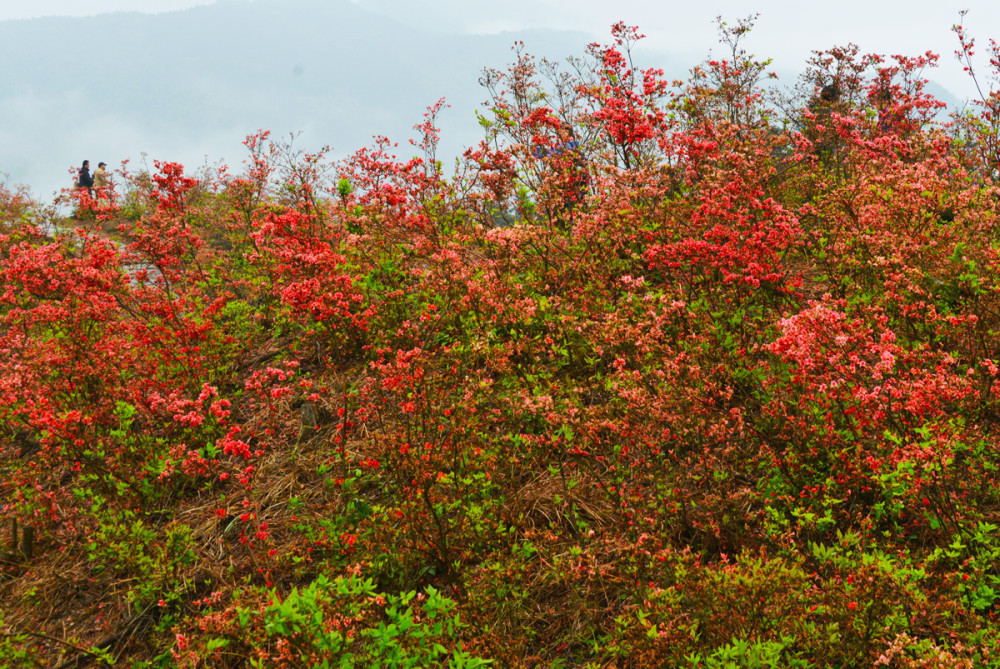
(189, 85)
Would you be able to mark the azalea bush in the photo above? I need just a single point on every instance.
(698, 373)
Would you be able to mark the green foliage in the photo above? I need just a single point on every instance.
(753, 654)
(345, 623)
(15, 648)
(662, 376)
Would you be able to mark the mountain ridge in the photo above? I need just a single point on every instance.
(192, 83)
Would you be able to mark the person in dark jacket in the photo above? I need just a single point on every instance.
(568, 177)
(84, 180)
(822, 131)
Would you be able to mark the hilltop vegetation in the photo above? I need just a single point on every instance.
(710, 380)
(118, 85)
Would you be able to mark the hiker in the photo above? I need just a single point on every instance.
(569, 171)
(822, 133)
(102, 182)
(576, 174)
(821, 106)
(84, 180)
(891, 119)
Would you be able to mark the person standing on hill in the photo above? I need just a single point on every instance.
(575, 175)
(84, 180)
(891, 119)
(821, 130)
(568, 177)
(102, 182)
(823, 105)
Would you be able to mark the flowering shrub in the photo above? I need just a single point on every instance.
(663, 374)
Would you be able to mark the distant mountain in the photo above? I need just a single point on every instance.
(189, 85)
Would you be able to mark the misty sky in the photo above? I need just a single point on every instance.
(35, 146)
(786, 31)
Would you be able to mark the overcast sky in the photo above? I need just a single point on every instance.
(787, 30)
(31, 9)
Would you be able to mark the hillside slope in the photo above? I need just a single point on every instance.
(661, 376)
